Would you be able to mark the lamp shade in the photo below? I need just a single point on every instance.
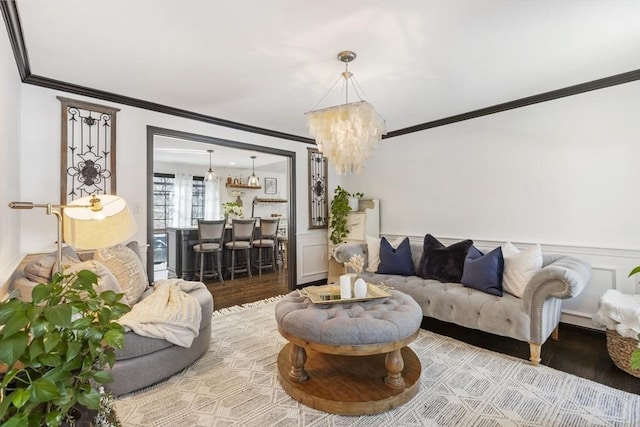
(96, 222)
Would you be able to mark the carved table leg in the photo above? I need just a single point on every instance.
(298, 358)
(394, 364)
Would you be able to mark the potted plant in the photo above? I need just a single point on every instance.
(340, 207)
(53, 350)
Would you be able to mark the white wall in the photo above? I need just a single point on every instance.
(563, 173)
(40, 163)
(10, 251)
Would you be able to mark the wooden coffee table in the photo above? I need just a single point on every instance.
(352, 379)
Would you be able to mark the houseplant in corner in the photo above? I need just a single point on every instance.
(53, 350)
(340, 207)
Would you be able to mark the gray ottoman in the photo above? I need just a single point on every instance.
(349, 358)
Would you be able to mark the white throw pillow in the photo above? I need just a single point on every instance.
(128, 270)
(373, 251)
(519, 267)
(106, 279)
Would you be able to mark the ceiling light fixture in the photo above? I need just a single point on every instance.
(210, 174)
(253, 179)
(346, 134)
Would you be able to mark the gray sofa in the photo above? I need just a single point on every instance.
(143, 361)
(532, 319)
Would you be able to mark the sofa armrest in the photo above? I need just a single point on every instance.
(344, 251)
(564, 277)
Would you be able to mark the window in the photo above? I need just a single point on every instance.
(163, 210)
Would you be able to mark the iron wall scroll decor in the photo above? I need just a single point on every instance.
(318, 199)
(88, 160)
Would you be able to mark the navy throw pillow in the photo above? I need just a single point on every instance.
(474, 253)
(396, 261)
(485, 273)
(443, 263)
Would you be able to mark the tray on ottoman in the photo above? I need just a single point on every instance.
(330, 294)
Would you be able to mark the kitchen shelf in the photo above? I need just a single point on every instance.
(257, 200)
(252, 187)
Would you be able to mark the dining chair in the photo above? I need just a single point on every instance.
(267, 239)
(210, 240)
(241, 240)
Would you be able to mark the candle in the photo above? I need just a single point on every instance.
(345, 286)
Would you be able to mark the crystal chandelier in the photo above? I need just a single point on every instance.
(347, 134)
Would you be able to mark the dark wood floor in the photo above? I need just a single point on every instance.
(244, 289)
(579, 351)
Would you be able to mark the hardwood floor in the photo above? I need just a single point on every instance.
(580, 351)
(245, 289)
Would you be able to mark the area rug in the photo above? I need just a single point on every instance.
(235, 384)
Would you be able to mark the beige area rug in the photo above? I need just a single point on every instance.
(235, 384)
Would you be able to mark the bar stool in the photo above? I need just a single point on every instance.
(241, 240)
(268, 239)
(283, 249)
(210, 239)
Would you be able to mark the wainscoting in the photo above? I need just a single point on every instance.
(312, 256)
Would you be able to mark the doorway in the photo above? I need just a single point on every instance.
(230, 160)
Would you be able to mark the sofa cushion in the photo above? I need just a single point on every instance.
(128, 270)
(443, 263)
(484, 273)
(396, 260)
(373, 253)
(519, 267)
(40, 269)
(106, 279)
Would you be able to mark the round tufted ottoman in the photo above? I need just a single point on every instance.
(349, 358)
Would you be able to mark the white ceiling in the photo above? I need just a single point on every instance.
(264, 63)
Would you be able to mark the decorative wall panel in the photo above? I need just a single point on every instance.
(318, 198)
(88, 156)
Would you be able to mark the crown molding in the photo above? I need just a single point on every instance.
(617, 79)
(14, 29)
(160, 108)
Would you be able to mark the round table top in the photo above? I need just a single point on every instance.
(378, 321)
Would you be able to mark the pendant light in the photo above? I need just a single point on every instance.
(210, 174)
(347, 134)
(253, 179)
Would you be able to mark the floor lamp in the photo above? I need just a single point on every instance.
(91, 222)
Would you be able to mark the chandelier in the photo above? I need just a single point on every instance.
(346, 134)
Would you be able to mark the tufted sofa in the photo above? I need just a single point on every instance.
(142, 361)
(532, 318)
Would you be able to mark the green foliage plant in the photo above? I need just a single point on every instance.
(54, 350)
(339, 210)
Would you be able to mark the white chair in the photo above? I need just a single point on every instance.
(210, 240)
(267, 239)
(241, 240)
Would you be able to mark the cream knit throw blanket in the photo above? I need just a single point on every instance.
(620, 312)
(168, 313)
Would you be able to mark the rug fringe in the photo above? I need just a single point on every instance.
(242, 307)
